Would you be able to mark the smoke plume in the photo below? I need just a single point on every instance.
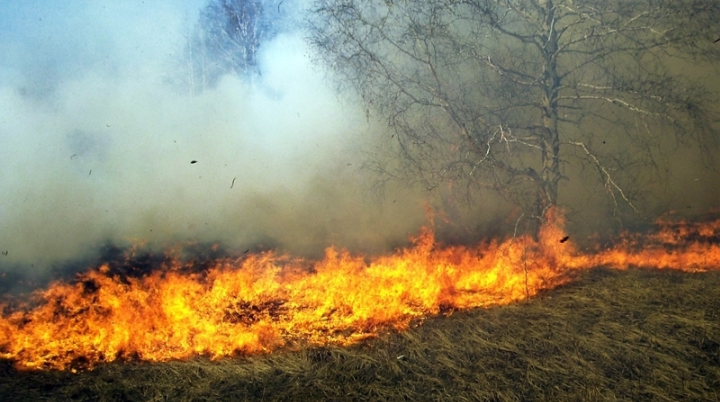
(103, 141)
(100, 145)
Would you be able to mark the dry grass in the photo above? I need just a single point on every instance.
(634, 336)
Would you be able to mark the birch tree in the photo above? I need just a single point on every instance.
(508, 95)
(227, 39)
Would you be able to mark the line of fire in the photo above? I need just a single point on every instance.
(266, 302)
(307, 133)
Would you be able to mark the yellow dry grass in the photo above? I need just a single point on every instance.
(636, 335)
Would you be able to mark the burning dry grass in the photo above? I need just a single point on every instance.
(611, 335)
(266, 302)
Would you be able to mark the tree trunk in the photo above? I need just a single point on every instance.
(550, 139)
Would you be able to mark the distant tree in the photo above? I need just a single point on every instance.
(507, 95)
(226, 40)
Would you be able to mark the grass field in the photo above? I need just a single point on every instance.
(636, 335)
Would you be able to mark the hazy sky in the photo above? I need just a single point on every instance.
(97, 145)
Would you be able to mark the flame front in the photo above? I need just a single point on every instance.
(267, 301)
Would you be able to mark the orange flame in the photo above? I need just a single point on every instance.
(268, 301)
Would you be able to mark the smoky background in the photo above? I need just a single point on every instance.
(112, 135)
(104, 142)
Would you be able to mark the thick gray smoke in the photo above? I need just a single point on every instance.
(100, 144)
(108, 134)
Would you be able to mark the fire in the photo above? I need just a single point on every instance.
(268, 301)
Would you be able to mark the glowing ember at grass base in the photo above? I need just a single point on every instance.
(265, 302)
(635, 335)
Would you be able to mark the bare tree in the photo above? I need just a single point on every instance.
(507, 95)
(226, 40)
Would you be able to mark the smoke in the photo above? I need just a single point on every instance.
(98, 145)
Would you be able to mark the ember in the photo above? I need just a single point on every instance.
(266, 301)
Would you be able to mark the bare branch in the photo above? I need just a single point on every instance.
(485, 94)
(610, 183)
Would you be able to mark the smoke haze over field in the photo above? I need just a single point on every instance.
(98, 137)
(97, 142)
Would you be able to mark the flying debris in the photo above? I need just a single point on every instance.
(192, 162)
(564, 239)
(233, 182)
